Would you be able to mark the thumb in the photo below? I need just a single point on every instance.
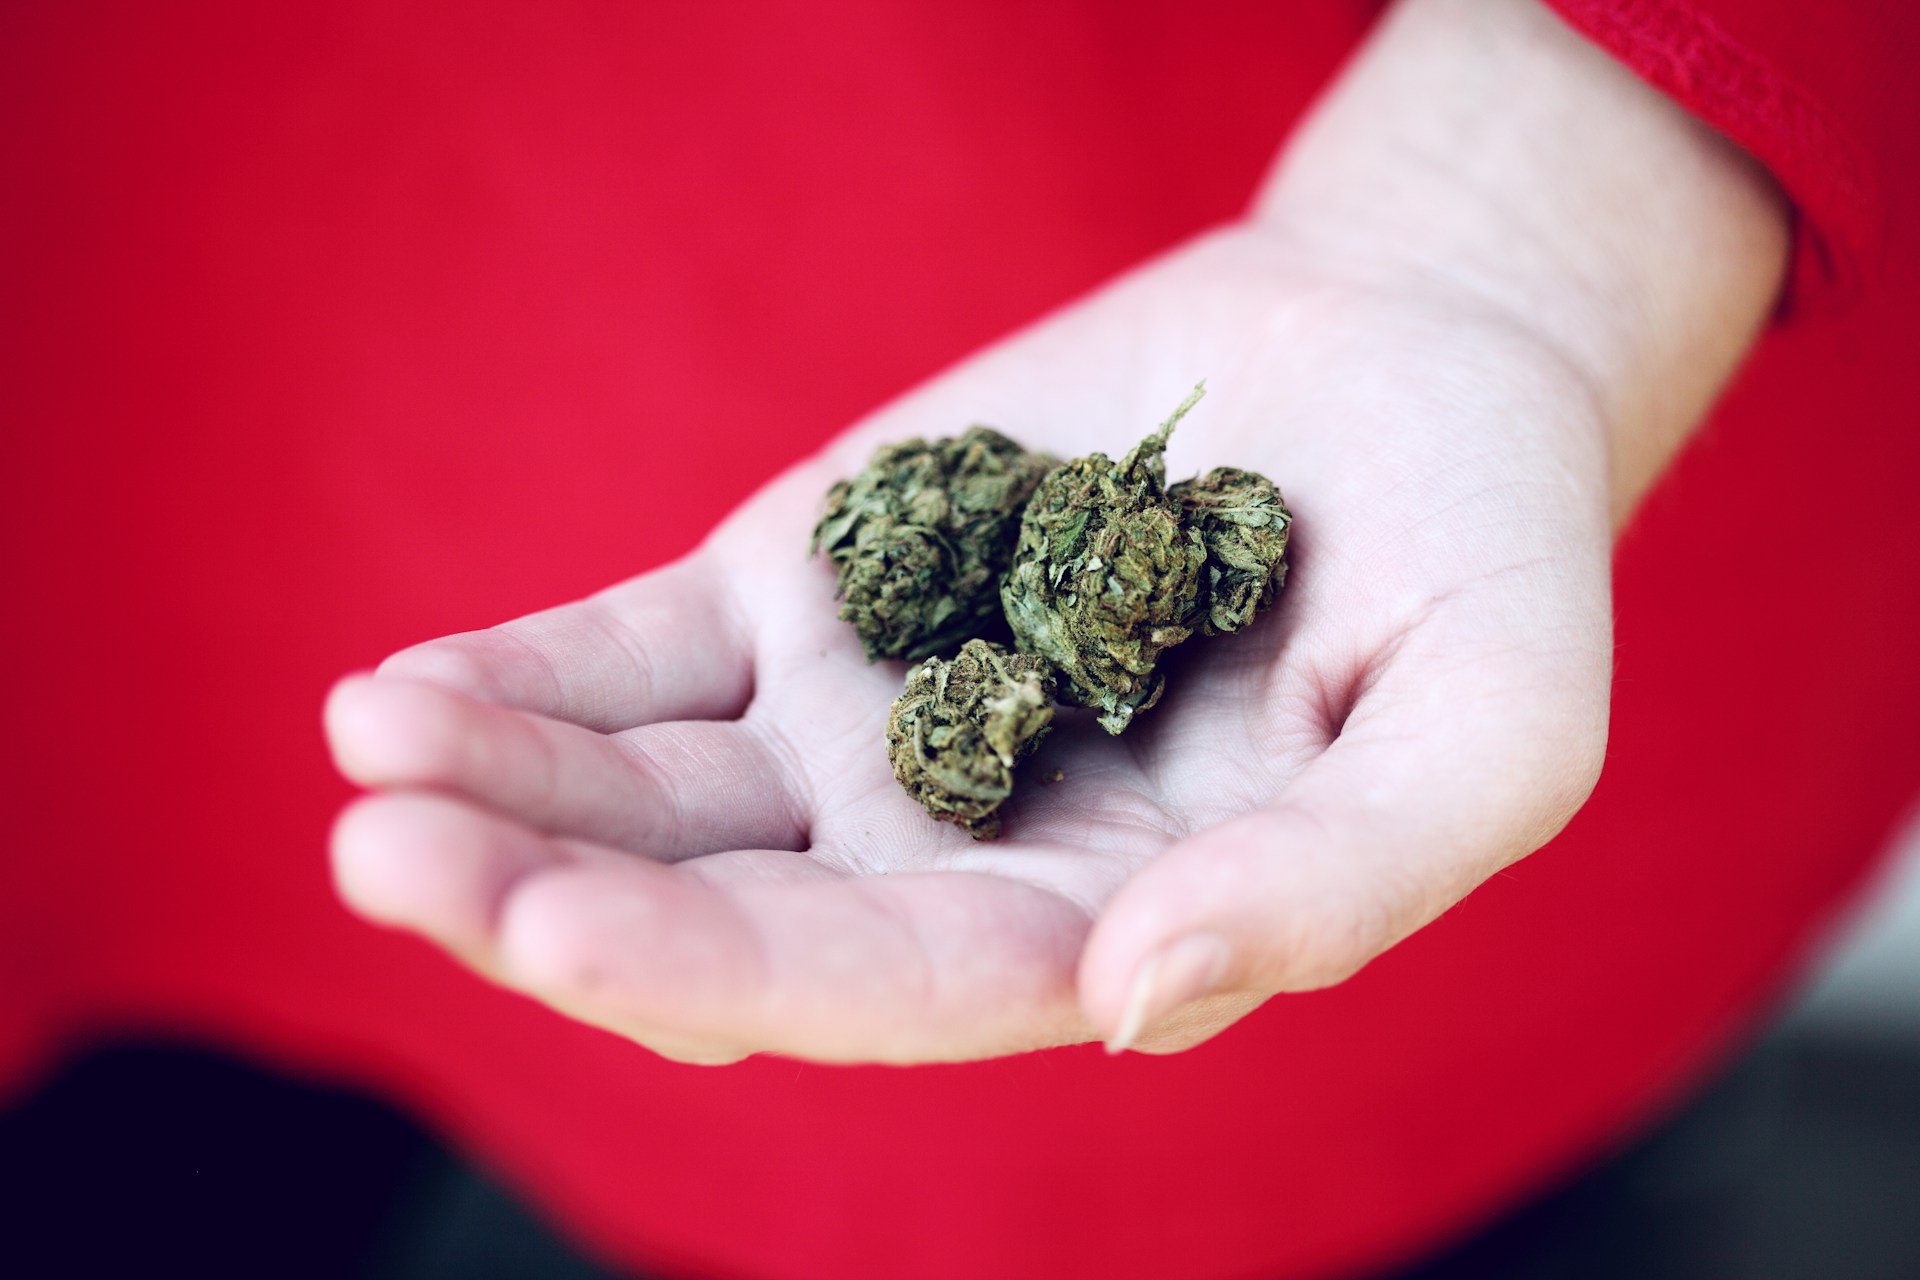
(1438, 779)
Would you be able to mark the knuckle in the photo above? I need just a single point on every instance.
(1332, 921)
(1554, 745)
(1334, 937)
(1573, 759)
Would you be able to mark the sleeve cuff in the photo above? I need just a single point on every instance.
(1686, 53)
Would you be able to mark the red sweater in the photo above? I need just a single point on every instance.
(315, 310)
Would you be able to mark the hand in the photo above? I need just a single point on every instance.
(667, 809)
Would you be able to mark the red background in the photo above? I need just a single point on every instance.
(330, 327)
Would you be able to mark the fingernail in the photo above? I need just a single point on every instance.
(1177, 974)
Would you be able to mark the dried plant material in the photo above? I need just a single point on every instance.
(961, 726)
(1243, 522)
(922, 537)
(1097, 567)
(1106, 576)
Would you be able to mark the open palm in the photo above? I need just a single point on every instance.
(668, 810)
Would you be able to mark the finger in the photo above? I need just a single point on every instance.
(667, 645)
(744, 952)
(425, 863)
(912, 968)
(668, 791)
(1447, 772)
(441, 868)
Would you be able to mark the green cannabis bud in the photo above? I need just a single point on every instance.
(1106, 575)
(923, 535)
(1243, 523)
(961, 726)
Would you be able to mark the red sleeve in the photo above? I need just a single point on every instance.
(1807, 103)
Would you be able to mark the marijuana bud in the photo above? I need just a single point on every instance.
(1106, 575)
(1243, 523)
(922, 536)
(961, 726)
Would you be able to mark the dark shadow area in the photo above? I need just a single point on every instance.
(143, 1160)
(1802, 1162)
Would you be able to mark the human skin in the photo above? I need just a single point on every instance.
(1490, 287)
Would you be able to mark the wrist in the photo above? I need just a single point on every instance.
(1481, 156)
